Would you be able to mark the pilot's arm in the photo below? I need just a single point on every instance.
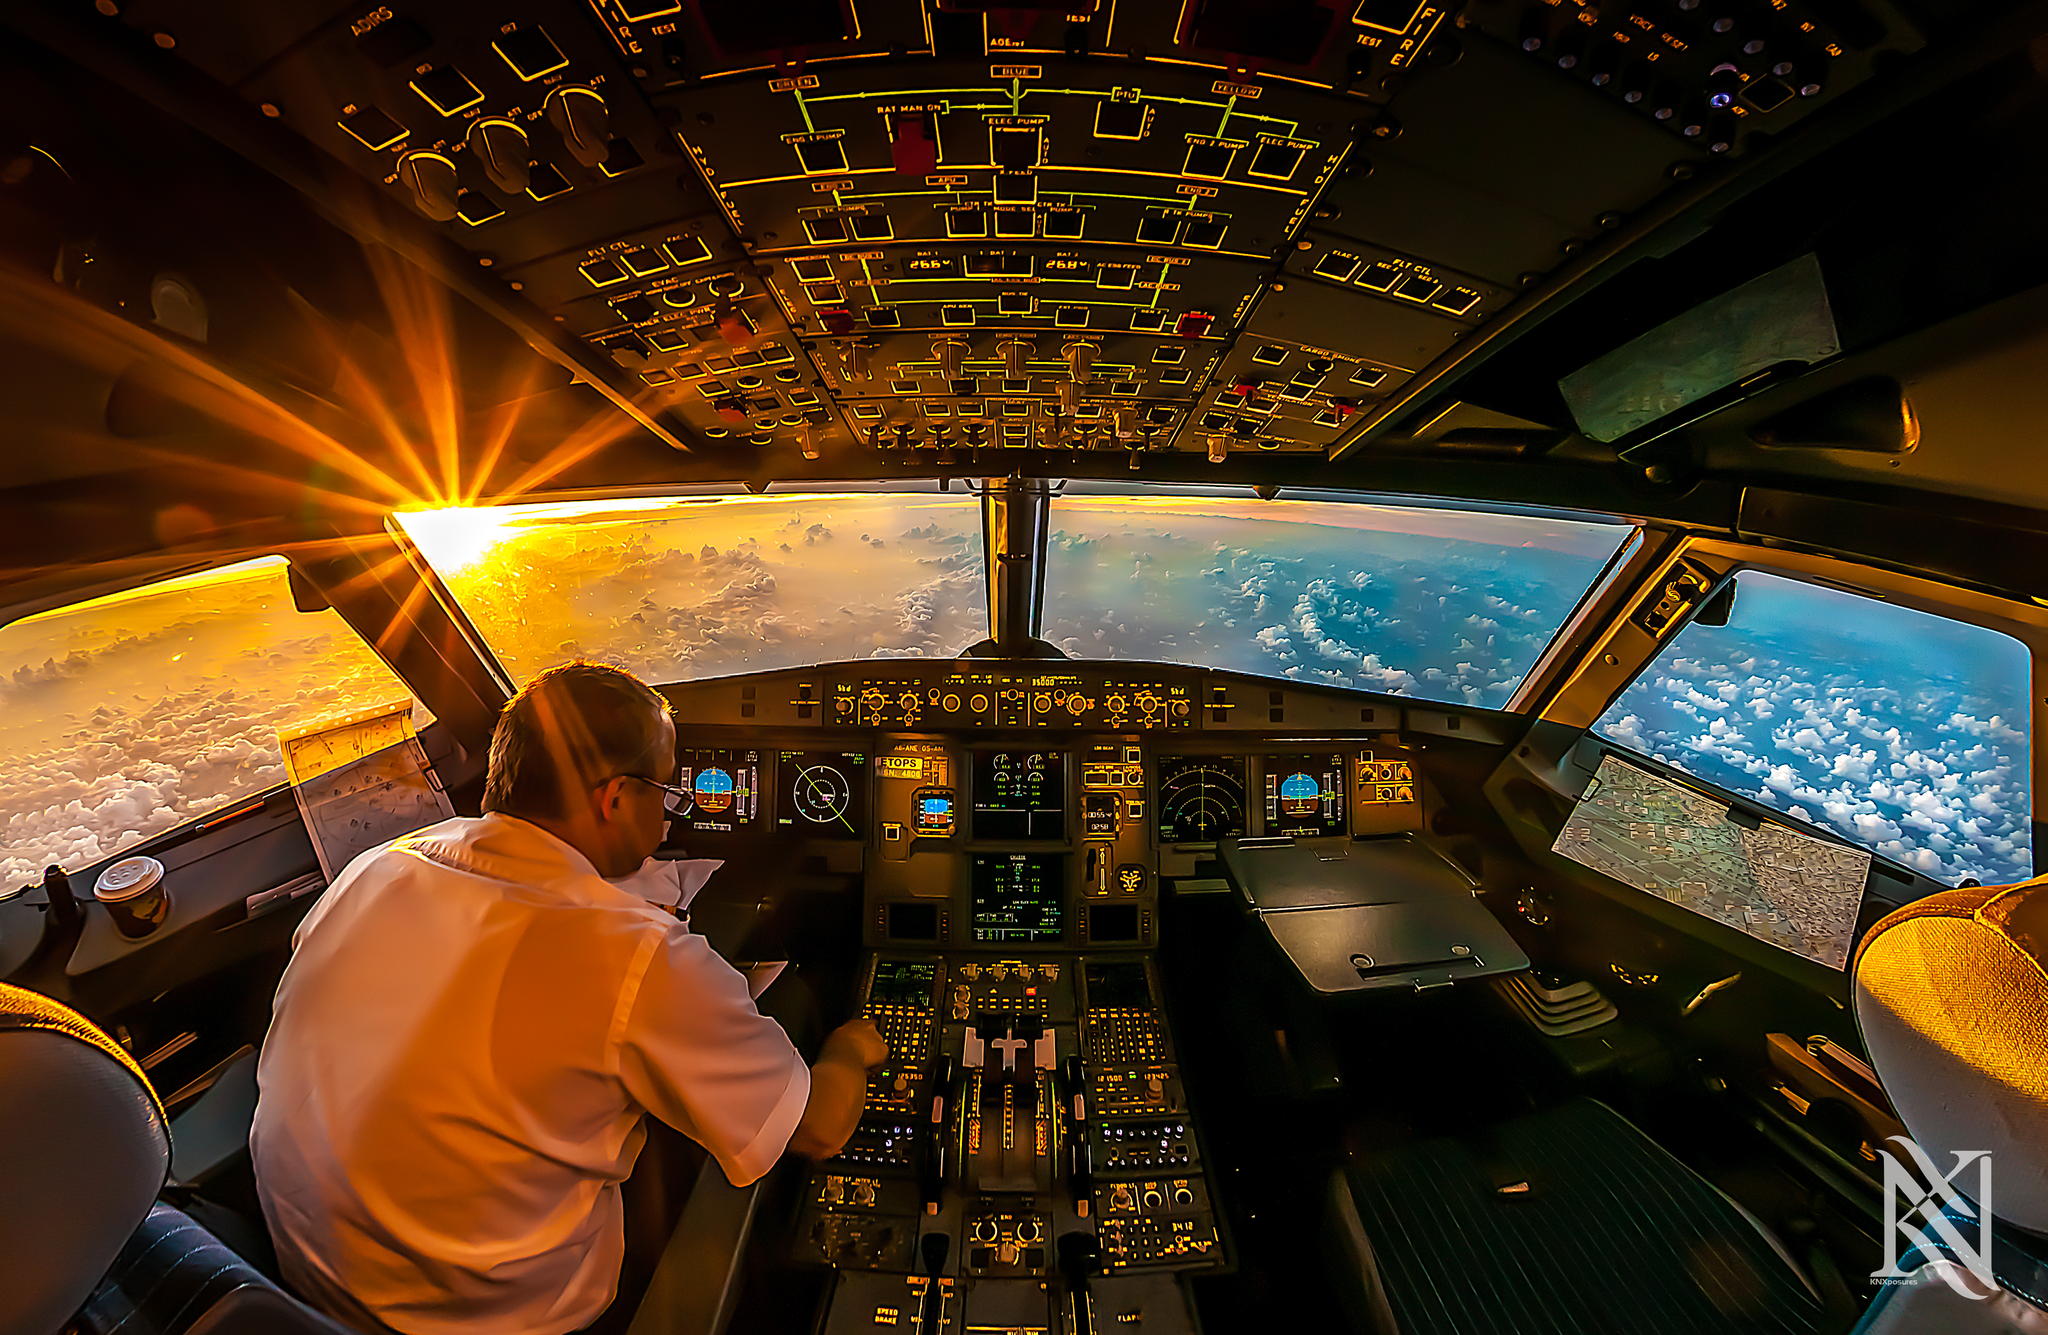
(696, 1053)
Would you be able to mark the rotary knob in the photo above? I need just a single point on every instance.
(580, 116)
(431, 179)
(503, 151)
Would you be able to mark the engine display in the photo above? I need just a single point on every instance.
(1017, 897)
(1305, 794)
(1020, 795)
(724, 787)
(824, 793)
(1201, 798)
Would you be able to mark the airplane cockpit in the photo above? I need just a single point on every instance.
(1394, 644)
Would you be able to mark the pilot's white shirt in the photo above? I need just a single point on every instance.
(471, 1027)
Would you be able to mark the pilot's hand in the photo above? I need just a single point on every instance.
(858, 1042)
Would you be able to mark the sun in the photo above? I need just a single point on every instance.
(457, 538)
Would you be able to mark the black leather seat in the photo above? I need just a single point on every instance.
(84, 1243)
(1564, 1222)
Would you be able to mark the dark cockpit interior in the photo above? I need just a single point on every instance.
(1336, 615)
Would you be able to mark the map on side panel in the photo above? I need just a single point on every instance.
(1778, 885)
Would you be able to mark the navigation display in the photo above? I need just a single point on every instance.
(1778, 885)
(1020, 795)
(1016, 896)
(1305, 794)
(724, 787)
(824, 793)
(1201, 798)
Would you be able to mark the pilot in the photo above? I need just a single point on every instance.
(476, 1023)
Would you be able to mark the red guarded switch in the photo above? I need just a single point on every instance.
(837, 321)
(1193, 324)
(912, 146)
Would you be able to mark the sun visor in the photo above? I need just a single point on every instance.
(1715, 353)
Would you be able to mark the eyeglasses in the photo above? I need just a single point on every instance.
(677, 802)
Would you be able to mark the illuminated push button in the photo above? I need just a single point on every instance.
(530, 52)
(603, 271)
(1015, 147)
(372, 128)
(447, 90)
(1119, 120)
(545, 182)
(1276, 162)
(822, 155)
(476, 209)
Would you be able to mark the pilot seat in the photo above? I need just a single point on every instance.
(1951, 994)
(89, 1247)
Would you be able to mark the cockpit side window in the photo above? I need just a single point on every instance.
(1894, 728)
(127, 715)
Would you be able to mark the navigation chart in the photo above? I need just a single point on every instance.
(1778, 885)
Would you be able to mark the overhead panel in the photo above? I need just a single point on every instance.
(958, 226)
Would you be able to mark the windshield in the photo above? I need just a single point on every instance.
(680, 588)
(1446, 605)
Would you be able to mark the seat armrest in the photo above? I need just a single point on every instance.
(211, 1136)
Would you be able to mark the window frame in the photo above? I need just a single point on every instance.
(1619, 651)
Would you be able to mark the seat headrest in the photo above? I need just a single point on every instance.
(1951, 994)
(84, 1146)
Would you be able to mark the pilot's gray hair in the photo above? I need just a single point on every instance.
(567, 731)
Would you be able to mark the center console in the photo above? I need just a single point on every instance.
(1027, 1161)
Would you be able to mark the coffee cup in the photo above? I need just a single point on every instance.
(132, 891)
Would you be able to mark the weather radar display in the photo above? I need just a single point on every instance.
(1305, 794)
(824, 793)
(724, 787)
(1201, 798)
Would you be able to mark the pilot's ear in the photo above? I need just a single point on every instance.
(610, 796)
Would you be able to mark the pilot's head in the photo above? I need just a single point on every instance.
(583, 751)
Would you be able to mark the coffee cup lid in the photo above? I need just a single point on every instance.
(127, 878)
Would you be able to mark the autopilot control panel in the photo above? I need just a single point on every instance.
(1028, 1161)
